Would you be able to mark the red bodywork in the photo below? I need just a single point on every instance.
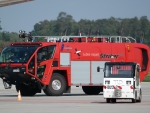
(88, 51)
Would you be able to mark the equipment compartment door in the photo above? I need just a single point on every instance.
(64, 59)
(80, 72)
(97, 77)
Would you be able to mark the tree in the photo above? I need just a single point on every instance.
(64, 23)
(144, 26)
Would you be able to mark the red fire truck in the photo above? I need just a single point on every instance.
(64, 61)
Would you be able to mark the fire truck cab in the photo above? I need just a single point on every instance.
(122, 81)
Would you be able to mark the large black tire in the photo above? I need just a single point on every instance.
(108, 100)
(57, 85)
(140, 97)
(134, 100)
(92, 90)
(113, 100)
(26, 90)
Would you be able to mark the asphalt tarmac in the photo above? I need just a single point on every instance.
(76, 102)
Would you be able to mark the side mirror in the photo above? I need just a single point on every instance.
(138, 69)
(98, 69)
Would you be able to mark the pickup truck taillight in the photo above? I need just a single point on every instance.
(131, 87)
(104, 87)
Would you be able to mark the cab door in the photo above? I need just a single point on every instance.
(44, 61)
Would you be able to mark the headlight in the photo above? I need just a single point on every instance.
(107, 82)
(128, 82)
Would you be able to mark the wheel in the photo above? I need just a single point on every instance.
(91, 90)
(134, 99)
(113, 100)
(108, 100)
(56, 86)
(140, 97)
(26, 90)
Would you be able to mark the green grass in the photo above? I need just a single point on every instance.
(147, 78)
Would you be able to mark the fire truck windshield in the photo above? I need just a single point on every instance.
(16, 54)
(119, 71)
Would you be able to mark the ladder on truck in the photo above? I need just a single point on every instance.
(106, 39)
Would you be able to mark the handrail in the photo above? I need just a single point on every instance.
(108, 39)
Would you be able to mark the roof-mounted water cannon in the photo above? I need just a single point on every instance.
(23, 34)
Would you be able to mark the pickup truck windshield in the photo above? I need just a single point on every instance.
(119, 71)
(16, 54)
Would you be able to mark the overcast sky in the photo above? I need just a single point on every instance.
(25, 15)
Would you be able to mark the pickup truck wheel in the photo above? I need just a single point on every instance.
(108, 100)
(91, 90)
(56, 86)
(140, 97)
(134, 99)
(113, 100)
(25, 90)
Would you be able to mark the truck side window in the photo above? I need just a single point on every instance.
(46, 53)
(31, 66)
(51, 50)
(43, 54)
(40, 71)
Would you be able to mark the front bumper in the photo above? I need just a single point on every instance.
(119, 94)
(14, 74)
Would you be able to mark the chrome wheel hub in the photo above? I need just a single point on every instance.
(56, 85)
